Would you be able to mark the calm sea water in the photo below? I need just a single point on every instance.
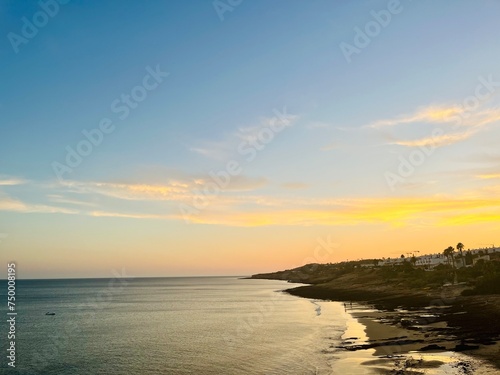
(205, 325)
(170, 326)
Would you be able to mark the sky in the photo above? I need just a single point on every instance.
(230, 137)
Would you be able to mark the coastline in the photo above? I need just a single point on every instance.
(380, 348)
(437, 328)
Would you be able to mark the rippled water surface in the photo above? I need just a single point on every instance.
(205, 325)
(171, 326)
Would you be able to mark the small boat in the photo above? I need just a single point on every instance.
(50, 313)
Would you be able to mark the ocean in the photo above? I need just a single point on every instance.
(202, 325)
(199, 325)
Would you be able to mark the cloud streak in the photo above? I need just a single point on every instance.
(489, 176)
(430, 114)
(11, 181)
(225, 148)
(173, 190)
(14, 205)
(239, 208)
(474, 120)
(395, 212)
(436, 141)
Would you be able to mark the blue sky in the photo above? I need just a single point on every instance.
(227, 78)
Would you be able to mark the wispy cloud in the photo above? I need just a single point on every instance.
(472, 120)
(14, 205)
(294, 185)
(173, 190)
(9, 181)
(131, 215)
(395, 212)
(244, 183)
(228, 146)
(482, 118)
(436, 141)
(318, 125)
(254, 210)
(488, 176)
(242, 209)
(454, 115)
(465, 219)
(432, 114)
(56, 198)
(213, 150)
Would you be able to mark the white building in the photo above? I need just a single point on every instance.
(391, 261)
(486, 258)
(431, 260)
(485, 250)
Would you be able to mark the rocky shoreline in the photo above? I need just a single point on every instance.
(435, 321)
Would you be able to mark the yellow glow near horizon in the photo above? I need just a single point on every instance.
(392, 211)
(489, 176)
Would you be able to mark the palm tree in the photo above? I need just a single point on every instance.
(451, 250)
(448, 252)
(468, 258)
(460, 247)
